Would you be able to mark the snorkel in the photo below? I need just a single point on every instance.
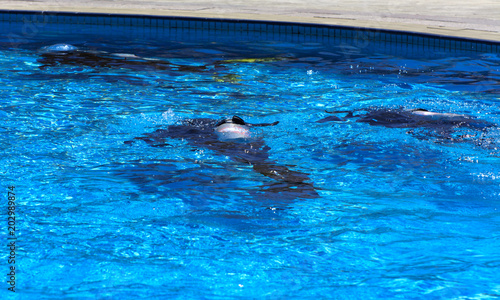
(236, 128)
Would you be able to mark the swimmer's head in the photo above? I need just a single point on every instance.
(59, 48)
(234, 128)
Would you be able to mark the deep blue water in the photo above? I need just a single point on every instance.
(386, 212)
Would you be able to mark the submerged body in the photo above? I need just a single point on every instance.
(442, 124)
(66, 54)
(237, 143)
(421, 118)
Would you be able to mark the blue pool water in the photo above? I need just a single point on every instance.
(384, 212)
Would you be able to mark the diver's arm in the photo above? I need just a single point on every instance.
(263, 124)
(154, 139)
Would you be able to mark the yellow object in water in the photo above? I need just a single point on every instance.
(254, 60)
(232, 78)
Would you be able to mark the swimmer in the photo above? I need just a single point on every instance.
(232, 137)
(66, 54)
(442, 123)
(399, 118)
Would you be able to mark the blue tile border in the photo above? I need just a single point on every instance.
(297, 31)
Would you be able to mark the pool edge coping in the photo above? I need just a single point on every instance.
(356, 32)
(276, 22)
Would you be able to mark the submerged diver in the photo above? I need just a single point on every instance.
(66, 54)
(442, 123)
(233, 138)
(424, 124)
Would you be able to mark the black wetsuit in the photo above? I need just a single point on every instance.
(398, 118)
(199, 133)
(101, 59)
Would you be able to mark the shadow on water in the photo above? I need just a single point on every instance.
(218, 195)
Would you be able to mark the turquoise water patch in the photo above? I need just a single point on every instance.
(107, 209)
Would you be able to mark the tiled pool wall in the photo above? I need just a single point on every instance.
(29, 22)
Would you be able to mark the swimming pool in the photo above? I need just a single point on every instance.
(106, 209)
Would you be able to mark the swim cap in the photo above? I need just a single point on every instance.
(234, 128)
